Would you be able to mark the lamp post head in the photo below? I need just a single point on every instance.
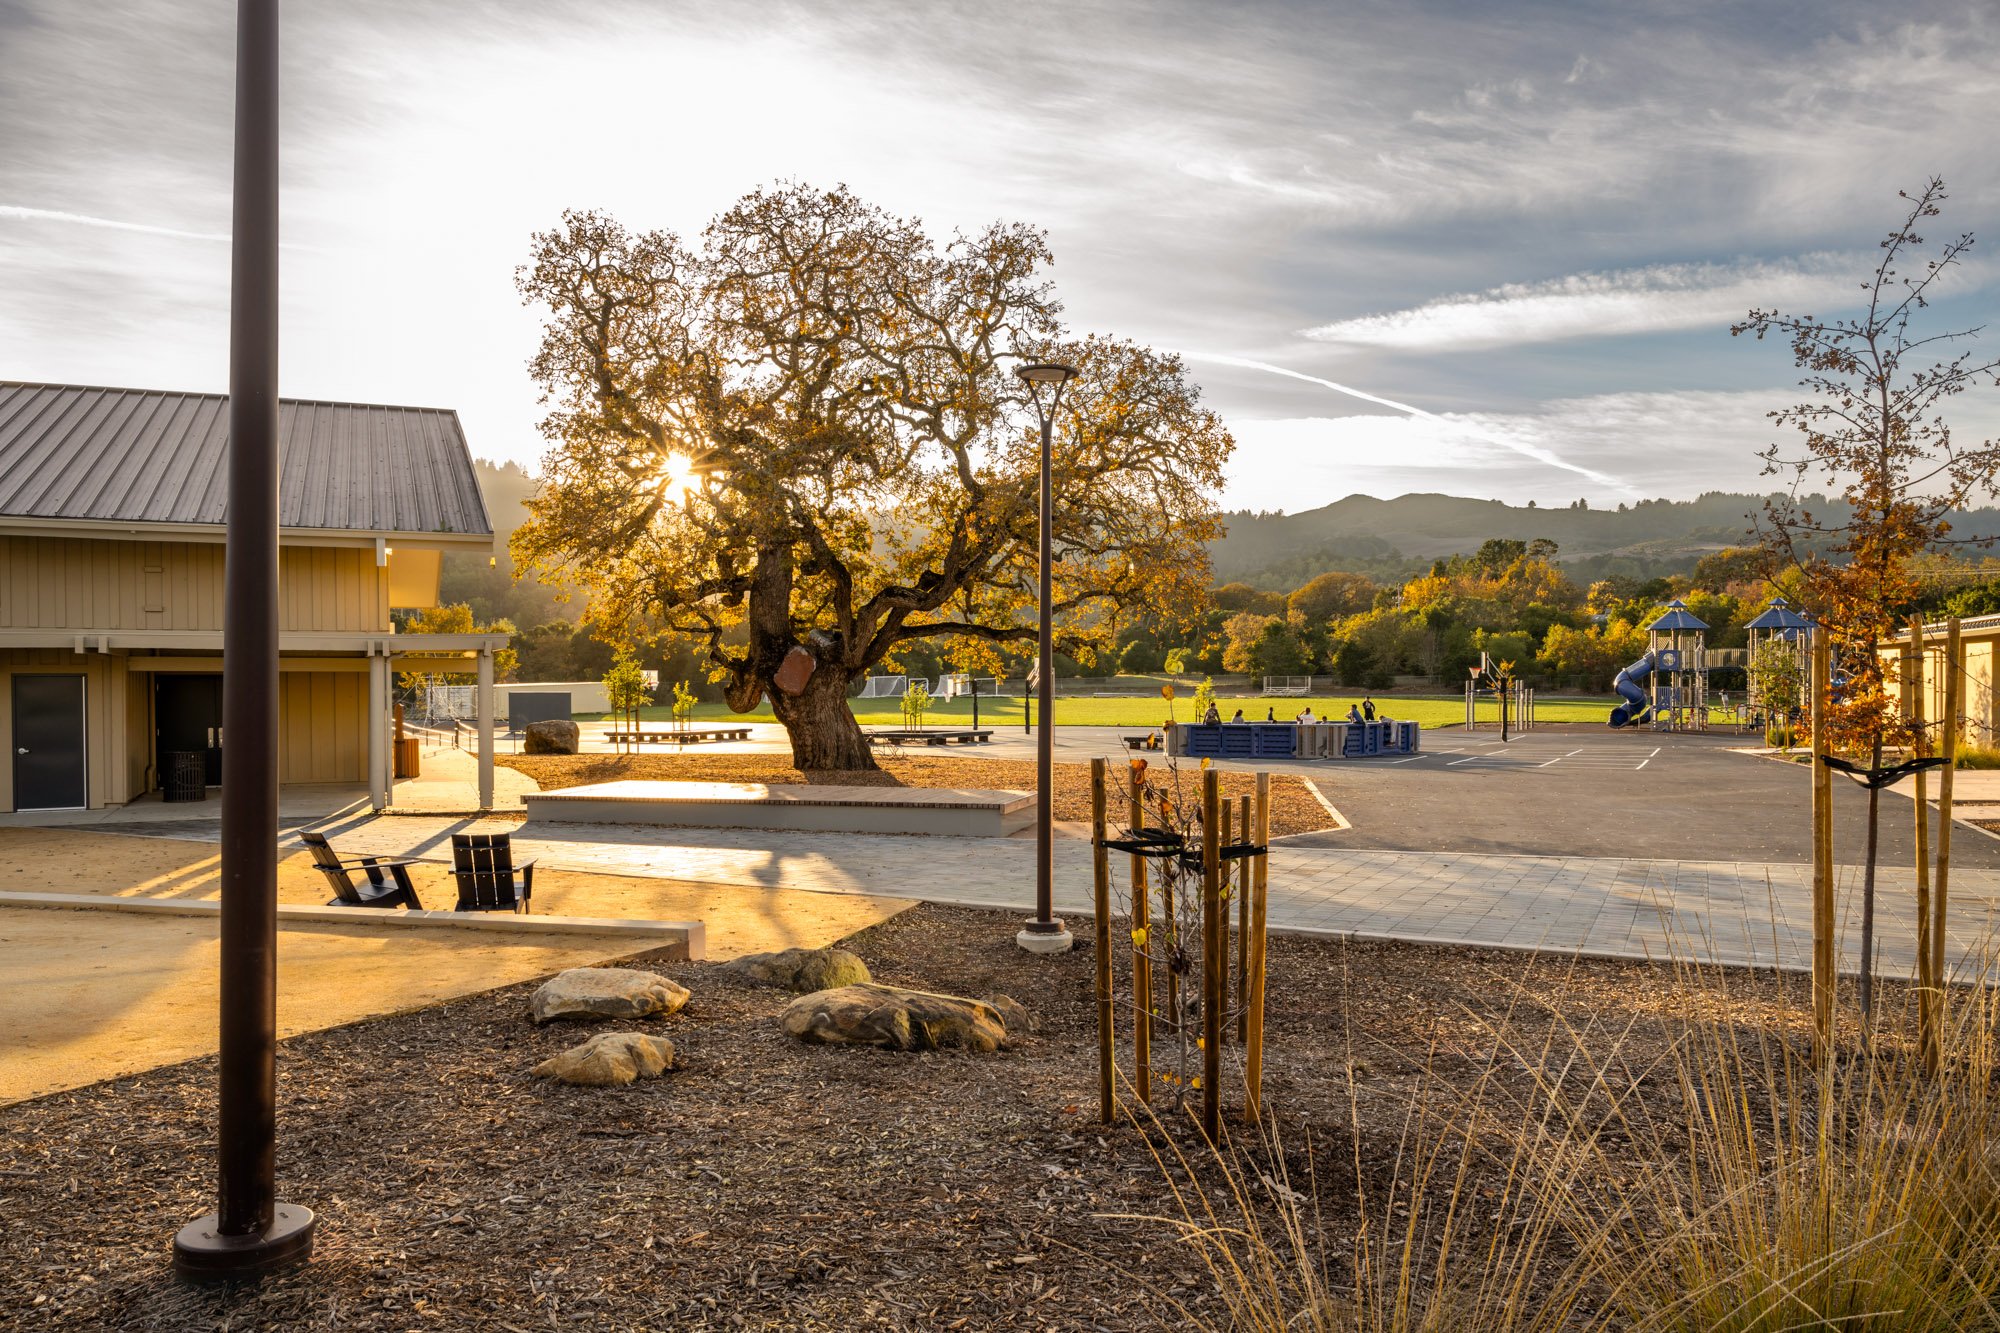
(1050, 373)
(1046, 372)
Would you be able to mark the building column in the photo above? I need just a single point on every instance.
(485, 728)
(380, 773)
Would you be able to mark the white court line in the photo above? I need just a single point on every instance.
(1647, 760)
(1559, 758)
(1656, 750)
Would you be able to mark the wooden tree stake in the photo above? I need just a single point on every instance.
(1142, 966)
(1930, 1002)
(1213, 961)
(1100, 865)
(1243, 924)
(1915, 685)
(1822, 817)
(1253, 1053)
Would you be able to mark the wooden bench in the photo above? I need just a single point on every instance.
(1138, 742)
(693, 736)
(968, 737)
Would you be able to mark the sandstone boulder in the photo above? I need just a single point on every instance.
(606, 992)
(904, 1020)
(554, 736)
(802, 970)
(610, 1060)
(1014, 1015)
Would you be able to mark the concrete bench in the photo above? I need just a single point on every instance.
(930, 737)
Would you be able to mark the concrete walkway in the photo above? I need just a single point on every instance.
(1724, 912)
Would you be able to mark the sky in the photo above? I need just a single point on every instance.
(1481, 249)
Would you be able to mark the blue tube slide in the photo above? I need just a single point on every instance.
(1635, 708)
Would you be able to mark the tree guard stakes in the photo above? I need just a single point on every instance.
(1198, 854)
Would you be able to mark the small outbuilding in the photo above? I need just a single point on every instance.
(111, 587)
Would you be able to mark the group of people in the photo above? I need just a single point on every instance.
(1361, 712)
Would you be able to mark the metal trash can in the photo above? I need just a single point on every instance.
(184, 776)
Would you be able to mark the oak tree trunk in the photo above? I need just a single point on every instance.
(821, 726)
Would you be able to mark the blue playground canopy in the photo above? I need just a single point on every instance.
(1676, 617)
(1780, 616)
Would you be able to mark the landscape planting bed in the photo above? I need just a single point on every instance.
(766, 1184)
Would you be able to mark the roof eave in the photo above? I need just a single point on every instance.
(123, 530)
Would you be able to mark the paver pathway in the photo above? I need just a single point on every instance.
(1725, 912)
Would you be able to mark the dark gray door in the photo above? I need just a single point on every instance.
(48, 743)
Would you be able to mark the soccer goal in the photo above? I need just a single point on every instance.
(959, 683)
(1288, 684)
(885, 687)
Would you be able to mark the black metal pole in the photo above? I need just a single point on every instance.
(1045, 694)
(250, 1233)
(975, 703)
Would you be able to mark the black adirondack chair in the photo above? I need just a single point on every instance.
(393, 891)
(488, 879)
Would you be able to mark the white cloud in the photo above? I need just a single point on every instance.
(1674, 444)
(1657, 298)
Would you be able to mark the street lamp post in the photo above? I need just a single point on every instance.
(251, 1232)
(1043, 933)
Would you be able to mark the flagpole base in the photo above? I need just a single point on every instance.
(203, 1254)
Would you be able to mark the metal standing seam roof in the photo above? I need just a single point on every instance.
(77, 453)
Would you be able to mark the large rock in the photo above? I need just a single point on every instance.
(606, 992)
(610, 1060)
(554, 736)
(1013, 1016)
(802, 970)
(902, 1020)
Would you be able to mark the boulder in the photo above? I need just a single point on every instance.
(554, 736)
(802, 970)
(610, 1060)
(1013, 1014)
(872, 1014)
(606, 992)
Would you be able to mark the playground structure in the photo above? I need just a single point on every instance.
(1675, 669)
(1203, 863)
(1297, 686)
(1779, 629)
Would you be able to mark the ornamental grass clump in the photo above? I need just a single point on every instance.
(1695, 1169)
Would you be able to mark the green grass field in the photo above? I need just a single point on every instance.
(1152, 711)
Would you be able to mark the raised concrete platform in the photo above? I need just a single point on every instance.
(956, 812)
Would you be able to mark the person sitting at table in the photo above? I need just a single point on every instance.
(1354, 714)
(1212, 717)
(1368, 708)
(1238, 717)
(1307, 715)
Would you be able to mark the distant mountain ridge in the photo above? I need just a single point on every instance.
(1394, 539)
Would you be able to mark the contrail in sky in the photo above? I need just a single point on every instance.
(21, 214)
(1535, 452)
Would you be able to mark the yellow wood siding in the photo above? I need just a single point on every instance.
(89, 586)
(321, 731)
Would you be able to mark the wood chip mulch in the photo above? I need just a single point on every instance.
(763, 1184)
(1293, 807)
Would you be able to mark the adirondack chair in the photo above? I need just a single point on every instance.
(394, 891)
(483, 864)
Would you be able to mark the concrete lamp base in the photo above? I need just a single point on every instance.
(1038, 937)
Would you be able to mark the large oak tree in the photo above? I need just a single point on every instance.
(802, 445)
